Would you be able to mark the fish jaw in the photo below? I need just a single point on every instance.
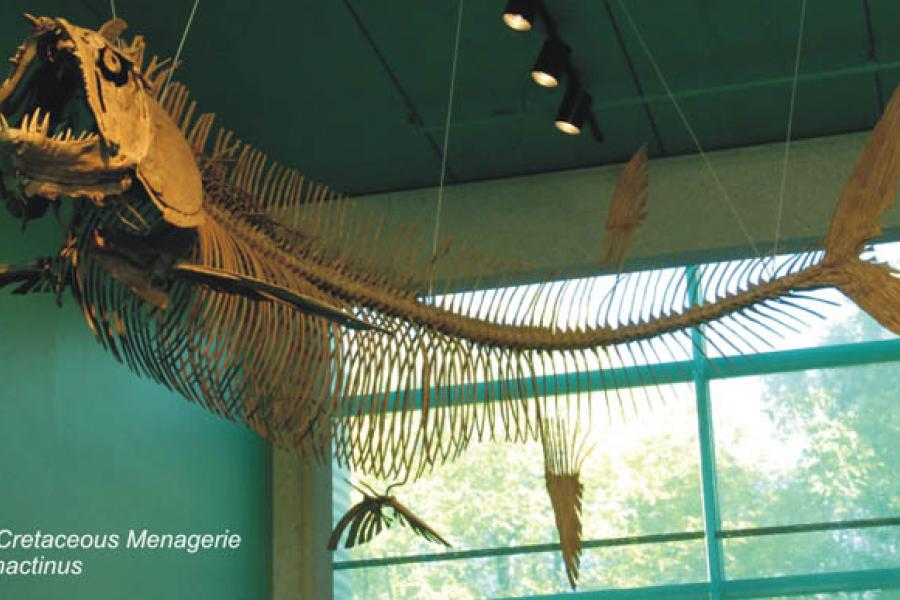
(51, 139)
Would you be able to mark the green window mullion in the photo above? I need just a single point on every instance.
(768, 587)
(708, 488)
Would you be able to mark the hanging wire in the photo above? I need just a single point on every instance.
(690, 130)
(440, 196)
(790, 128)
(184, 35)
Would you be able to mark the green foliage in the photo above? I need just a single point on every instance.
(848, 421)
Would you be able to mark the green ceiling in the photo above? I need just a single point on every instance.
(355, 92)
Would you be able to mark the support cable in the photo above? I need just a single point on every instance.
(728, 201)
(790, 128)
(187, 28)
(445, 147)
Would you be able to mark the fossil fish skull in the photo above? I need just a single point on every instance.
(77, 119)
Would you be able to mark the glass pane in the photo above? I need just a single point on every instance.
(815, 446)
(641, 478)
(842, 320)
(817, 552)
(886, 253)
(527, 574)
(819, 445)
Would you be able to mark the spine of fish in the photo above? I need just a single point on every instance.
(344, 285)
(870, 190)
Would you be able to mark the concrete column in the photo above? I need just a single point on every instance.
(301, 524)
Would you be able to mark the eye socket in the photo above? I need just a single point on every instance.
(113, 67)
(111, 61)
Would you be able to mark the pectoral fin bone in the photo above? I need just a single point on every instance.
(258, 289)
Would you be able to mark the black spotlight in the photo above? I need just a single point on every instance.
(519, 14)
(574, 110)
(552, 63)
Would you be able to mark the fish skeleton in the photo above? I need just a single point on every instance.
(277, 302)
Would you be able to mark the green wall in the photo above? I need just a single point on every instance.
(88, 447)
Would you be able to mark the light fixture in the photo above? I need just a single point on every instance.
(574, 110)
(519, 14)
(552, 63)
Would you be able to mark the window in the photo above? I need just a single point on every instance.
(774, 474)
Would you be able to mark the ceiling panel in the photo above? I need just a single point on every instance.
(511, 147)
(885, 16)
(502, 121)
(13, 28)
(731, 65)
(417, 40)
(704, 43)
(743, 116)
(301, 83)
(360, 102)
(885, 21)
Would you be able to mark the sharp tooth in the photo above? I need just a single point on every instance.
(24, 125)
(45, 124)
(68, 134)
(4, 124)
(34, 121)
